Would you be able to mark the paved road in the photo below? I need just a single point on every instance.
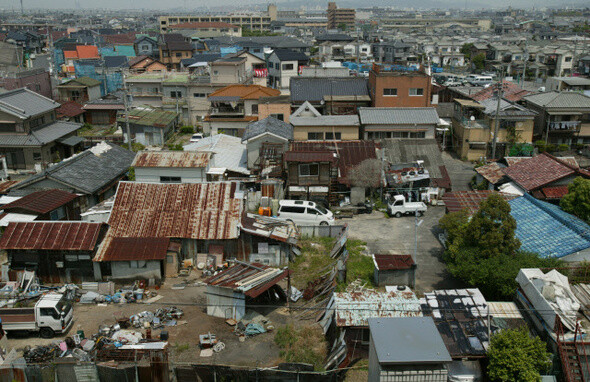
(396, 236)
(459, 171)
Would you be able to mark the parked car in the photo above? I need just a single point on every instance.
(398, 207)
(196, 137)
(481, 81)
(304, 212)
(451, 83)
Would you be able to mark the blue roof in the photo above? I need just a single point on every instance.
(546, 229)
(125, 50)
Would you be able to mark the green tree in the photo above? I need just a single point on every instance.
(479, 61)
(484, 252)
(466, 50)
(577, 199)
(342, 26)
(516, 356)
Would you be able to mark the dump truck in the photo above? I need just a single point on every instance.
(47, 315)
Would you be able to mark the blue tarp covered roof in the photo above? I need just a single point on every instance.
(546, 229)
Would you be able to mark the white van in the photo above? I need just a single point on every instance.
(303, 212)
(481, 81)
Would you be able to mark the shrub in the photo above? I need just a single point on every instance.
(563, 147)
(187, 130)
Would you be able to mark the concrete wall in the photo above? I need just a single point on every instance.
(300, 133)
(402, 82)
(144, 270)
(225, 303)
(267, 109)
(94, 93)
(187, 175)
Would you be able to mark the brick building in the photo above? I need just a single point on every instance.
(338, 16)
(399, 86)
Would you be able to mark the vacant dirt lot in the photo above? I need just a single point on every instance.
(259, 350)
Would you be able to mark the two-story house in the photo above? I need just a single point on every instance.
(233, 107)
(474, 123)
(82, 89)
(146, 46)
(173, 49)
(562, 117)
(284, 64)
(399, 86)
(30, 135)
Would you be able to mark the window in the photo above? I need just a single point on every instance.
(145, 48)
(36, 156)
(287, 66)
(216, 72)
(418, 134)
(389, 92)
(37, 122)
(175, 94)
(313, 211)
(7, 127)
(255, 109)
(294, 210)
(309, 169)
(333, 136)
(199, 95)
(169, 179)
(315, 136)
(57, 214)
(416, 91)
(280, 117)
(399, 134)
(49, 312)
(178, 54)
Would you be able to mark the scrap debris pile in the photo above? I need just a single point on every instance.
(126, 331)
(105, 293)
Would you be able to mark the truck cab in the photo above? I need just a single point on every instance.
(398, 207)
(53, 314)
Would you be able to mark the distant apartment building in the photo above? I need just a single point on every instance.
(37, 80)
(206, 29)
(252, 21)
(399, 86)
(338, 16)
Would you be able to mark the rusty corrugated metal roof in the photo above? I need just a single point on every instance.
(54, 236)
(207, 211)
(392, 262)
(237, 276)
(178, 159)
(134, 248)
(310, 156)
(355, 308)
(41, 202)
(4, 186)
(492, 172)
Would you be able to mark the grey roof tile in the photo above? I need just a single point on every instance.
(25, 103)
(268, 125)
(314, 89)
(559, 100)
(326, 120)
(41, 135)
(398, 115)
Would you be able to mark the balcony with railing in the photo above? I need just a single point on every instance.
(227, 111)
(469, 123)
(565, 126)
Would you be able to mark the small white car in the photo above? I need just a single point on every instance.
(303, 212)
(196, 137)
(451, 83)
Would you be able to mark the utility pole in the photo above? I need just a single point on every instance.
(497, 120)
(574, 56)
(526, 58)
(126, 103)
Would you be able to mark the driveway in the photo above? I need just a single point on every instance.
(397, 236)
(459, 171)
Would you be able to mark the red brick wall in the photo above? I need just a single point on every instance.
(402, 82)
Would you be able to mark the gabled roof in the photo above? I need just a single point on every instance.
(547, 230)
(229, 152)
(24, 103)
(169, 159)
(116, 61)
(470, 200)
(70, 109)
(80, 81)
(398, 115)
(87, 172)
(510, 91)
(241, 92)
(305, 108)
(559, 100)
(41, 135)
(289, 55)
(87, 51)
(56, 236)
(507, 109)
(41, 202)
(536, 172)
(268, 125)
(314, 89)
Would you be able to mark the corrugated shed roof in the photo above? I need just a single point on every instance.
(134, 248)
(24, 103)
(470, 200)
(310, 156)
(314, 89)
(245, 92)
(538, 171)
(149, 116)
(229, 152)
(355, 308)
(7, 184)
(350, 153)
(392, 262)
(555, 99)
(492, 172)
(398, 115)
(177, 159)
(80, 81)
(41, 202)
(547, 230)
(208, 211)
(237, 276)
(51, 236)
(410, 150)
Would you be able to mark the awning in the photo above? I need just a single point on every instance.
(71, 141)
(216, 171)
